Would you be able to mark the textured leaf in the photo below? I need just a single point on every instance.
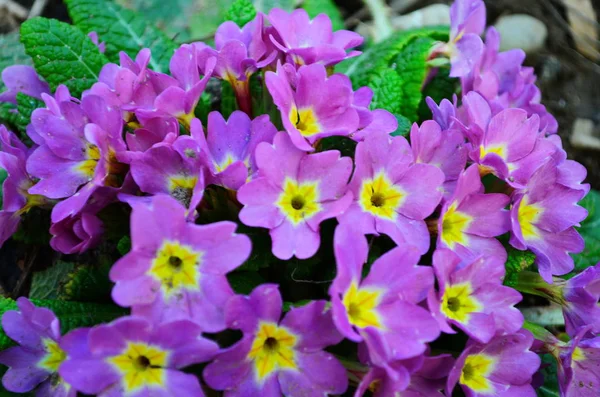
(386, 92)
(550, 372)
(48, 283)
(590, 231)
(441, 86)
(122, 30)
(62, 54)
(89, 283)
(18, 117)
(12, 52)
(71, 315)
(316, 7)
(241, 12)
(517, 261)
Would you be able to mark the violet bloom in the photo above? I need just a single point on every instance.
(36, 361)
(16, 199)
(542, 216)
(471, 296)
(470, 219)
(422, 376)
(229, 146)
(133, 357)
(444, 149)
(371, 121)
(176, 270)
(580, 301)
(375, 309)
(277, 356)
(294, 193)
(314, 105)
(392, 195)
(467, 21)
(306, 41)
(155, 131)
(570, 173)
(504, 367)
(78, 154)
(22, 78)
(444, 114)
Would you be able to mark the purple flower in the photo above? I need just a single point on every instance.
(36, 361)
(133, 357)
(313, 105)
(580, 306)
(294, 193)
(16, 199)
(375, 309)
(229, 146)
(570, 173)
(78, 153)
(542, 216)
(176, 270)
(277, 356)
(154, 132)
(371, 121)
(472, 297)
(392, 195)
(94, 37)
(470, 219)
(422, 376)
(467, 21)
(445, 113)
(503, 367)
(306, 41)
(22, 78)
(444, 149)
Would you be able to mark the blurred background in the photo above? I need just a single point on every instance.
(560, 37)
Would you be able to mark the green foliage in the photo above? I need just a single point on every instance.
(386, 92)
(404, 125)
(518, 261)
(266, 5)
(241, 12)
(3, 176)
(12, 52)
(18, 117)
(71, 315)
(590, 231)
(441, 86)
(89, 283)
(228, 101)
(244, 282)
(550, 372)
(124, 245)
(62, 54)
(316, 7)
(122, 30)
(48, 284)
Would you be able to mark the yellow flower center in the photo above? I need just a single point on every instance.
(176, 267)
(229, 159)
(380, 197)
(182, 188)
(458, 302)
(305, 121)
(141, 365)
(500, 150)
(186, 119)
(88, 167)
(454, 225)
(361, 306)
(272, 350)
(475, 373)
(299, 201)
(578, 354)
(54, 356)
(528, 215)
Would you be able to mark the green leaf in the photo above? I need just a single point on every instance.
(267, 5)
(244, 282)
(48, 283)
(404, 126)
(124, 245)
(71, 315)
(440, 87)
(207, 20)
(345, 145)
(550, 373)
(590, 231)
(228, 101)
(3, 176)
(88, 283)
(62, 54)
(19, 116)
(386, 94)
(316, 7)
(12, 52)
(122, 30)
(241, 12)
(517, 261)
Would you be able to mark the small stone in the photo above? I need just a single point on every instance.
(521, 31)
(435, 14)
(582, 136)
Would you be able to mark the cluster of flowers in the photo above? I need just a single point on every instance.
(122, 142)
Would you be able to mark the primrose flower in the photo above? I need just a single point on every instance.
(154, 132)
(306, 41)
(371, 121)
(16, 199)
(470, 219)
(441, 148)
(444, 114)
(415, 377)
(570, 173)
(313, 106)
(277, 356)
(294, 193)
(133, 357)
(467, 22)
(580, 306)
(36, 361)
(472, 297)
(375, 309)
(94, 37)
(229, 146)
(392, 195)
(176, 270)
(78, 154)
(503, 367)
(542, 216)
(22, 78)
